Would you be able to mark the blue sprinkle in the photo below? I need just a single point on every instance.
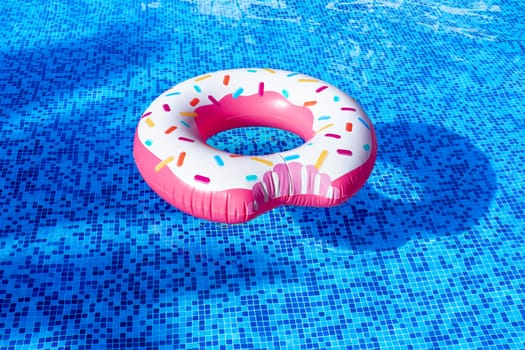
(197, 88)
(148, 142)
(185, 124)
(336, 99)
(364, 123)
(237, 93)
(252, 70)
(173, 93)
(366, 147)
(251, 177)
(292, 75)
(291, 157)
(285, 93)
(324, 117)
(218, 160)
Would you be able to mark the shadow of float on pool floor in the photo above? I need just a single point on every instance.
(428, 182)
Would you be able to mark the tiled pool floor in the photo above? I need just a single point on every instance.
(428, 255)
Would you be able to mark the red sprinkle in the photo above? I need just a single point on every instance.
(348, 109)
(180, 160)
(170, 129)
(194, 102)
(186, 139)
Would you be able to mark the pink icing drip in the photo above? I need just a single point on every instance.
(325, 184)
(290, 183)
(310, 184)
(270, 186)
(284, 179)
(297, 179)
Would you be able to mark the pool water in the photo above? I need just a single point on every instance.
(428, 255)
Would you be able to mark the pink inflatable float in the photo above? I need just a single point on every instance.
(334, 162)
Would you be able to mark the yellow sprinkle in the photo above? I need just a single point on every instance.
(321, 159)
(149, 122)
(188, 114)
(203, 77)
(269, 70)
(163, 163)
(308, 80)
(262, 160)
(324, 128)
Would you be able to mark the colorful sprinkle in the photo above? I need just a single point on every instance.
(337, 99)
(237, 93)
(324, 117)
(252, 70)
(145, 115)
(351, 109)
(269, 70)
(262, 160)
(364, 123)
(213, 100)
(194, 102)
(182, 138)
(162, 164)
(251, 178)
(203, 77)
(188, 114)
(226, 80)
(170, 129)
(202, 179)
(166, 107)
(335, 136)
(349, 127)
(261, 88)
(292, 75)
(148, 142)
(173, 94)
(180, 159)
(345, 152)
(308, 80)
(186, 124)
(235, 155)
(218, 160)
(150, 122)
(309, 103)
(324, 128)
(366, 147)
(292, 157)
(285, 93)
(324, 87)
(321, 159)
(197, 88)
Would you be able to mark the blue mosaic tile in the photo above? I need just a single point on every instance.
(428, 255)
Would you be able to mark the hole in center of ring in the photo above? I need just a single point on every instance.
(255, 141)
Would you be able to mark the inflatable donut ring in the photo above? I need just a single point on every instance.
(334, 162)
